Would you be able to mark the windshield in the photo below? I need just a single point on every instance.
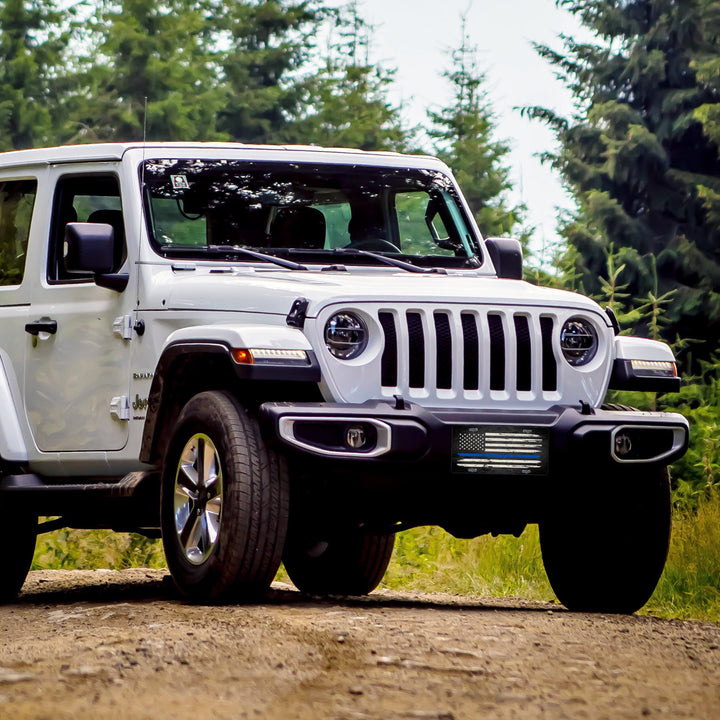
(201, 208)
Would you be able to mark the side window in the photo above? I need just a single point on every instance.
(17, 198)
(86, 198)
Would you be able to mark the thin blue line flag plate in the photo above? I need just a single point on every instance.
(500, 450)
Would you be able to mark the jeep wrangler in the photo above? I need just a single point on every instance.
(290, 354)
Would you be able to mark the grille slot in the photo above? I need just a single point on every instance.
(443, 351)
(389, 362)
(497, 352)
(416, 344)
(471, 346)
(549, 366)
(524, 356)
(467, 351)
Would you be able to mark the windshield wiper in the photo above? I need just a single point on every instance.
(238, 250)
(390, 261)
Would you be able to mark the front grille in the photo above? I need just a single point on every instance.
(468, 352)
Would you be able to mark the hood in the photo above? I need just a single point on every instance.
(273, 292)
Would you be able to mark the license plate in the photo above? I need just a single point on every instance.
(500, 450)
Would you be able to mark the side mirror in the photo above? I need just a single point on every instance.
(506, 256)
(90, 248)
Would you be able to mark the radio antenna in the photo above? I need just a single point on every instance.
(142, 171)
(142, 182)
(145, 121)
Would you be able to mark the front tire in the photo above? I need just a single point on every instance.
(224, 502)
(352, 564)
(605, 546)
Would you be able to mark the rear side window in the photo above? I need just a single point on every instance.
(17, 198)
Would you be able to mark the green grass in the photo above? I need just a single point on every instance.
(92, 549)
(430, 560)
(690, 585)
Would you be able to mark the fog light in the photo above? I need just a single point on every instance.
(355, 437)
(623, 445)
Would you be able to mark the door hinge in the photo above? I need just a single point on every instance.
(123, 327)
(120, 407)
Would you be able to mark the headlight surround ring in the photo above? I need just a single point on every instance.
(346, 335)
(578, 341)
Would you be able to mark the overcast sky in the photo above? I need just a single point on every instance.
(413, 36)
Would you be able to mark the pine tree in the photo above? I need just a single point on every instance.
(637, 159)
(346, 102)
(267, 43)
(32, 43)
(707, 65)
(463, 136)
(142, 50)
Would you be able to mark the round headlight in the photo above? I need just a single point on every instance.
(346, 335)
(578, 341)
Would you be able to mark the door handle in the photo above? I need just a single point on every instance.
(45, 325)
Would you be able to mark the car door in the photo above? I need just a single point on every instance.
(78, 359)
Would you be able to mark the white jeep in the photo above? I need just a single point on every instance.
(270, 354)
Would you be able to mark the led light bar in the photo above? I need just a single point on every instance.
(270, 356)
(654, 368)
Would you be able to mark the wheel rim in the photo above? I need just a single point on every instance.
(198, 498)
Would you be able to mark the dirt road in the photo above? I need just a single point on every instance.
(100, 644)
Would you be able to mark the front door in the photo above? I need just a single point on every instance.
(77, 362)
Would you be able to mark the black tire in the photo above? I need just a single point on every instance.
(19, 525)
(224, 502)
(346, 565)
(605, 548)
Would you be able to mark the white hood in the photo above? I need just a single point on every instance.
(274, 291)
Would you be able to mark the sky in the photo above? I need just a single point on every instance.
(414, 36)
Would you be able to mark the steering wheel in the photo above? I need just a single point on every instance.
(374, 244)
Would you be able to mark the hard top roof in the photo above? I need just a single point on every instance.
(109, 152)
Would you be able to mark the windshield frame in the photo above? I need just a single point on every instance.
(431, 181)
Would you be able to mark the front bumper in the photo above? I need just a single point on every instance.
(476, 442)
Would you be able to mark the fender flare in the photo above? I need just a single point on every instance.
(220, 340)
(276, 337)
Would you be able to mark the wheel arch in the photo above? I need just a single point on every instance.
(188, 367)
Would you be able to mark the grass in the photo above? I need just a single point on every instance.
(92, 549)
(430, 560)
(690, 585)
